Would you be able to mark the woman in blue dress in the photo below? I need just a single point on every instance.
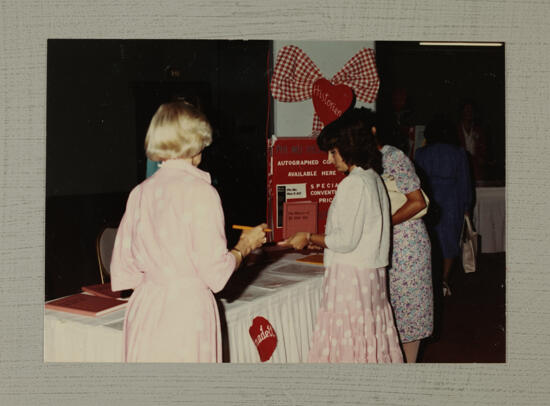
(445, 169)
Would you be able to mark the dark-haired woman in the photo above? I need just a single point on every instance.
(410, 275)
(354, 321)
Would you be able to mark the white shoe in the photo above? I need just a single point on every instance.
(446, 289)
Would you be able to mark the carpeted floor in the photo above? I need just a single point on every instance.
(470, 325)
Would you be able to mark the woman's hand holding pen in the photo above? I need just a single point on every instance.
(251, 238)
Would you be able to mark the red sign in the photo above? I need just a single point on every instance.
(298, 171)
(264, 337)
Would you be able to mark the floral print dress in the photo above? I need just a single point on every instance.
(410, 274)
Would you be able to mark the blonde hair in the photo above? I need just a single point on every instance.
(177, 130)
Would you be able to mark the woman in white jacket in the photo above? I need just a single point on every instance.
(355, 321)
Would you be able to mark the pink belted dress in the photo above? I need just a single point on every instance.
(172, 250)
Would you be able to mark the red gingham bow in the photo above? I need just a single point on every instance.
(295, 73)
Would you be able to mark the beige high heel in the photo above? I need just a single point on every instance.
(446, 289)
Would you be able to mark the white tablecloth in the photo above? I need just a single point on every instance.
(287, 293)
(490, 218)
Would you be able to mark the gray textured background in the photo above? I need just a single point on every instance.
(25, 25)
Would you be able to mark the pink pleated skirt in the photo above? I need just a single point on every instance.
(355, 321)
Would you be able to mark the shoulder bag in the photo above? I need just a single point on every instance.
(468, 246)
(398, 199)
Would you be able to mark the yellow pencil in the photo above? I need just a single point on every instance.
(238, 227)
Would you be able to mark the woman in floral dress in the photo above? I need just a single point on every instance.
(410, 275)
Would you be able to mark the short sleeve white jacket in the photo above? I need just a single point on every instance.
(358, 228)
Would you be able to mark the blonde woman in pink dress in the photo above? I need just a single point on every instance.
(171, 247)
(354, 321)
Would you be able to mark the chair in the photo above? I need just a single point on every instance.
(104, 247)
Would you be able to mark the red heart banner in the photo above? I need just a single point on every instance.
(295, 74)
(330, 101)
(264, 337)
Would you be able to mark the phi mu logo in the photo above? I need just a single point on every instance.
(264, 337)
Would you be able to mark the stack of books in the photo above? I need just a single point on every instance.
(104, 290)
(95, 301)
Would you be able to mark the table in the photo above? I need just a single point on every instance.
(285, 292)
(489, 218)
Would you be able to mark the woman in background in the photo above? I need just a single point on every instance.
(354, 320)
(472, 138)
(171, 247)
(410, 275)
(446, 169)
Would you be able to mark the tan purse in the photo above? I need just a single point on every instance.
(468, 245)
(398, 199)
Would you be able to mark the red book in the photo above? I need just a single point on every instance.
(87, 305)
(315, 259)
(299, 216)
(103, 290)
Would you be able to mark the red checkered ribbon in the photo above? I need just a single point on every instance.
(295, 73)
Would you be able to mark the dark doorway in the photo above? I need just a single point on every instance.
(418, 82)
(101, 96)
